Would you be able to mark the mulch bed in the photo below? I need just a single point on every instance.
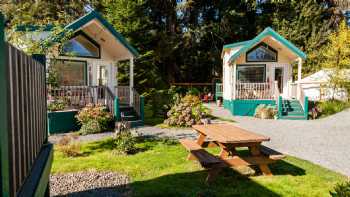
(90, 184)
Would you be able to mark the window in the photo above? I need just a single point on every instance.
(81, 45)
(70, 73)
(262, 53)
(251, 73)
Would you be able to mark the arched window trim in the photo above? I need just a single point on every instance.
(266, 46)
(80, 32)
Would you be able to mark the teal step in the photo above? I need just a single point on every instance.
(293, 118)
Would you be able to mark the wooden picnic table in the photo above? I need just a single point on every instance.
(228, 137)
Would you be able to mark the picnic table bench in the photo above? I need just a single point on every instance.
(229, 137)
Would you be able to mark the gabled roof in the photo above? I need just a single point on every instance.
(246, 45)
(77, 24)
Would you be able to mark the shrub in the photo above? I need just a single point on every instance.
(341, 190)
(124, 141)
(92, 114)
(69, 147)
(327, 108)
(56, 105)
(187, 112)
(265, 111)
(92, 126)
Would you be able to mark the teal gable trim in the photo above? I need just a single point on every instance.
(228, 46)
(95, 15)
(267, 32)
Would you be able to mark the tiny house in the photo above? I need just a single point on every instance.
(260, 71)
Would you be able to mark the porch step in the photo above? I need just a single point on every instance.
(129, 114)
(292, 110)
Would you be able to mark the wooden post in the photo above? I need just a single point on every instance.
(131, 83)
(4, 114)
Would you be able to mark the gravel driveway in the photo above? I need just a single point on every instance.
(325, 141)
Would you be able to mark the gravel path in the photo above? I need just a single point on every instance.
(90, 184)
(148, 131)
(325, 141)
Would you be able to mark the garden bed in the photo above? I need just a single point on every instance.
(160, 168)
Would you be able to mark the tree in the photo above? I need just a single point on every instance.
(337, 58)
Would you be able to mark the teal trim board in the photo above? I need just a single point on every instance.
(247, 45)
(245, 107)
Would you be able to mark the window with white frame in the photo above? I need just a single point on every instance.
(251, 73)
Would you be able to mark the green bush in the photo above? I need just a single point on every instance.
(327, 108)
(265, 111)
(97, 113)
(90, 127)
(124, 142)
(341, 190)
(56, 105)
(187, 112)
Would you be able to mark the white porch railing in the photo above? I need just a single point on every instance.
(276, 92)
(123, 93)
(254, 91)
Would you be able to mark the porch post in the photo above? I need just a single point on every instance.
(131, 83)
(116, 78)
(300, 64)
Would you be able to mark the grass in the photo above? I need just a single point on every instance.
(160, 168)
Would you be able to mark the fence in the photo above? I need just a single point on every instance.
(23, 127)
(254, 91)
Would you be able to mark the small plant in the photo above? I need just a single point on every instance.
(187, 112)
(327, 108)
(69, 147)
(92, 114)
(56, 105)
(265, 111)
(91, 127)
(341, 190)
(124, 141)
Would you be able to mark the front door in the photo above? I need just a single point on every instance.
(279, 78)
(102, 78)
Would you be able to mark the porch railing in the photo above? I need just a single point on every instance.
(218, 90)
(123, 93)
(254, 91)
(79, 96)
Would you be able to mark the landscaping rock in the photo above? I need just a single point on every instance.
(90, 184)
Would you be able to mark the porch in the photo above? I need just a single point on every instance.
(247, 96)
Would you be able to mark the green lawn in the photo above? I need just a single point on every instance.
(160, 168)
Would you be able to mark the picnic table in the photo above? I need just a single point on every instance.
(229, 137)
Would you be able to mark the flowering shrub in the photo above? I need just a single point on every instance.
(265, 111)
(187, 112)
(97, 113)
(56, 105)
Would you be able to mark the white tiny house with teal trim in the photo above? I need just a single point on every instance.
(260, 71)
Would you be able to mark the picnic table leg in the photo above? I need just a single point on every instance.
(226, 151)
(255, 151)
(200, 141)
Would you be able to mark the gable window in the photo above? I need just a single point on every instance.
(262, 53)
(70, 72)
(81, 45)
(251, 73)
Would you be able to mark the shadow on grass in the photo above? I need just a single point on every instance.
(192, 184)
